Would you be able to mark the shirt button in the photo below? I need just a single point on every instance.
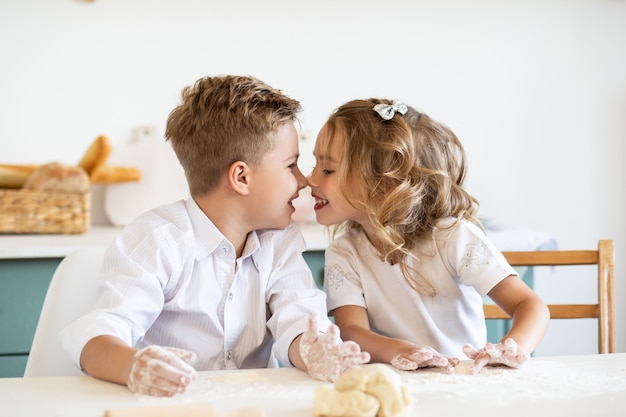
(230, 296)
(228, 355)
(226, 249)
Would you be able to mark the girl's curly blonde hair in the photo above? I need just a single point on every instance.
(410, 170)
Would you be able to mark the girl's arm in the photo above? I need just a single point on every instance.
(529, 312)
(354, 325)
(530, 320)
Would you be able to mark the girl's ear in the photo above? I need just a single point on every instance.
(238, 177)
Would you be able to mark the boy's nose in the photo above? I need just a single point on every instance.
(302, 180)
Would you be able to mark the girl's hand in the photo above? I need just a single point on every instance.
(504, 353)
(161, 371)
(424, 357)
(325, 355)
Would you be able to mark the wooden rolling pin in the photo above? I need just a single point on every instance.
(182, 410)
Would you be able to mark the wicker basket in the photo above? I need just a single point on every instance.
(41, 212)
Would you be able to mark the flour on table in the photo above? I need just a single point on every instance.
(537, 379)
(240, 384)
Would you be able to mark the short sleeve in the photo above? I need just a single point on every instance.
(342, 282)
(472, 257)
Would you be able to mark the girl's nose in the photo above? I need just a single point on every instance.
(309, 179)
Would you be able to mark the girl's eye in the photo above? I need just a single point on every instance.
(292, 166)
(324, 171)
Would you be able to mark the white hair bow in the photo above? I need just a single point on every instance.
(387, 111)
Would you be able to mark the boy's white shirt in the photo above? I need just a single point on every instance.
(173, 280)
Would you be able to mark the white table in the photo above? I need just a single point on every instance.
(589, 386)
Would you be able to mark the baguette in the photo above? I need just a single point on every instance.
(93, 163)
(113, 174)
(96, 155)
(14, 176)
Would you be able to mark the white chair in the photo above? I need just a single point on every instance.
(72, 292)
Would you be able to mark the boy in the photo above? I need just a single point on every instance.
(217, 280)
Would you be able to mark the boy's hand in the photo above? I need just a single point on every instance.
(503, 353)
(325, 355)
(424, 357)
(161, 371)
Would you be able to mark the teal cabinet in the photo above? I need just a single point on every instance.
(315, 260)
(24, 283)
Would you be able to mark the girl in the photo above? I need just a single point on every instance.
(406, 279)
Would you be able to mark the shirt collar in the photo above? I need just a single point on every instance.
(209, 238)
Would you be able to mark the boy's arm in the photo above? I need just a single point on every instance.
(294, 354)
(107, 358)
(324, 355)
(153, 370)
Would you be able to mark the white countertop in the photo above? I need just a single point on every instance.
(317, 237)
(18, 246)
(589, 385)
(53, 246)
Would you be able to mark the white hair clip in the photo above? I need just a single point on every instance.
(387, 111)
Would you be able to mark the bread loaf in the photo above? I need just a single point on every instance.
(58, 177)
(14, 176)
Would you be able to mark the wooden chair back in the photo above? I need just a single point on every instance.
(603, 310)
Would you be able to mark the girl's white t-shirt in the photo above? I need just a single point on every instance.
(462, 264)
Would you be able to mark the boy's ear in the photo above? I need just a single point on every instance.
(239, 177)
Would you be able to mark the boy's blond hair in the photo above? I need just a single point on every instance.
(222, 120)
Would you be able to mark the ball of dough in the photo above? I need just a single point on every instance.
(366, 390)
(329, 402)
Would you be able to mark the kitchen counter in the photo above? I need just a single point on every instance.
(20, 246)
(53, 246)
(316, 236)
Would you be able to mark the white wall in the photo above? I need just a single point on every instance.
(536, 90)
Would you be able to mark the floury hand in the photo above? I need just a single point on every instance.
(325, 355)
(161, 371)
